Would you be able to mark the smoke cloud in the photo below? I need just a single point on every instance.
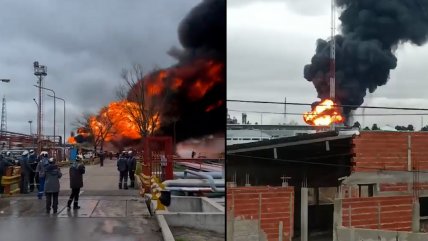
(371, 31)
(197, 106)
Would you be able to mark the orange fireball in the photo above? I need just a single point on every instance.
(324, 114)
(71, 140)
(121, 119)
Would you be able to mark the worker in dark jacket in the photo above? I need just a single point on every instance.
(102, 157)
(77, 169)
(122, 167)
(41, 171)
(33, 179)
(52, 176)
(4, 163)
(132, 165)
(25, 172)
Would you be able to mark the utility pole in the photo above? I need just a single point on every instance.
(285, 110)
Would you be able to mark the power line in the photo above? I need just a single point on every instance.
(321, 164)
(349, 106)
(299, 114)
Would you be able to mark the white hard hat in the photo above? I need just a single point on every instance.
(25, 153)
(129, 152)
(31, 151)
(8, 153)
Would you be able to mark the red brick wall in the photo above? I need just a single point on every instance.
(275, 207)
(388, 150)
(395, 213)
(402, 187)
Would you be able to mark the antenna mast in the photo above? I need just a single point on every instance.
(333, 57)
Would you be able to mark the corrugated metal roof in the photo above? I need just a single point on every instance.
(285, 141)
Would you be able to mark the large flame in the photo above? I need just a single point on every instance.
(204, 73)
(117, 120)
(194, 80)
(324, 114)
(71, 140)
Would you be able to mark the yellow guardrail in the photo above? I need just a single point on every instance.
(155, 187)
(10, 182)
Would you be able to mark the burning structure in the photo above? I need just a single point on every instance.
(187, 99)
(364, 51)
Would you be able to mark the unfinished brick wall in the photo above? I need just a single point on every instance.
(277, 204)
(388, 150)
(388, 213)
(402, 187)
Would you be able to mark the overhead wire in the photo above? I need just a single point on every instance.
(355, 114)
(337, 105)
(323, 164)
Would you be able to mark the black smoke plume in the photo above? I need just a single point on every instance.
(371, 31)
(202, 34)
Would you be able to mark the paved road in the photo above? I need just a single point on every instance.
(106, 213)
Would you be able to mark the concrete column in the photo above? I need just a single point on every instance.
(416, 216)
(304, 214)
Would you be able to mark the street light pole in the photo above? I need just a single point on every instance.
(39, 71)
(31, 133)
(56, 97)
(54, 107)
(37, 117)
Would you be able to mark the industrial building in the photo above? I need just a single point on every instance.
(245, 133)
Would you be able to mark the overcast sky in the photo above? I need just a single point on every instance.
(269, 43)
(84, 45)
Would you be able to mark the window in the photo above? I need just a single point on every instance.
(365, 190)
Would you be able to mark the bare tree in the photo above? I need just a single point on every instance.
(102, 127)
(98, 127)
(144, 108)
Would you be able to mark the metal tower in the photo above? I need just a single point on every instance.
(40, 71)
(333, 53)
(3, 116)
(333, 57)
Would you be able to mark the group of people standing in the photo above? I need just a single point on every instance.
(43, 172)
(126, 165)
